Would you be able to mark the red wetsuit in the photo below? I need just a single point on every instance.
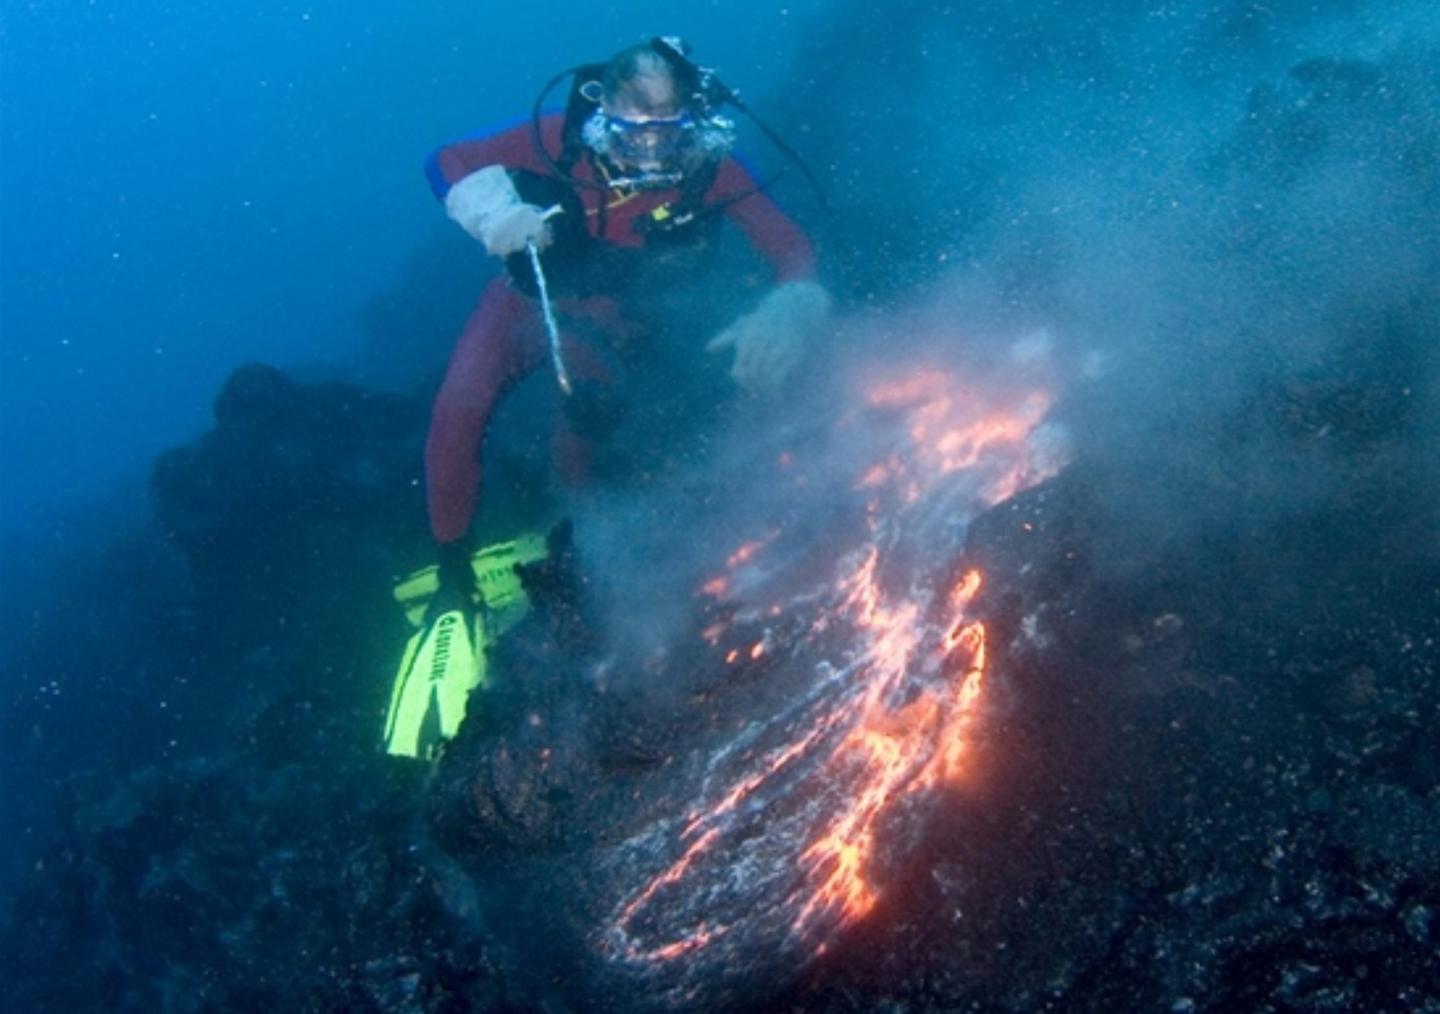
(504, 338)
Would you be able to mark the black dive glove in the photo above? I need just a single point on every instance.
(456, 587)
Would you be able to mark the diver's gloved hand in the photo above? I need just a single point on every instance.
(770, 341)
(456, 580)
(488, 207)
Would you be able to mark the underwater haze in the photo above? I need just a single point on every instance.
(184, 188)
(1066, 637)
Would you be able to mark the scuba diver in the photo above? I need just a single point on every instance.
(607, 216)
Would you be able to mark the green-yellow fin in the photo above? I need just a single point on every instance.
(441, 665)
(445, 661)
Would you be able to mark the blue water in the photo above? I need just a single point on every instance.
(186, 188)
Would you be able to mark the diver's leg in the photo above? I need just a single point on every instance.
(495, 350)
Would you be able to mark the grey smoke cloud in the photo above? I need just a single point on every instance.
(1223, 211)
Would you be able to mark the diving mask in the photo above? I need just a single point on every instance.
(656, 152)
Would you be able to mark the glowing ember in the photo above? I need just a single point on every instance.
(716, 587)
(723, 585)
(745, 553)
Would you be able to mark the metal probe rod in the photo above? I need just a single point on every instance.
(557, 356)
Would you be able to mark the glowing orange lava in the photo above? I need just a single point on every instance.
(951, 429)
(889, 751)
(899, 712)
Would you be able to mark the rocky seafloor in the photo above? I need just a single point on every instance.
(1208, 779)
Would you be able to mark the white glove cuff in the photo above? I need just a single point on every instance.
(481, 199)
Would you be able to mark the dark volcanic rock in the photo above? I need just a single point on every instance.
(257, 852)
(1213, 789)
(1204, 778)
(222, 884)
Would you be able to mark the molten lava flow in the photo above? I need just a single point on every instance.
(889, 751)
(801, 804)
(951, 429)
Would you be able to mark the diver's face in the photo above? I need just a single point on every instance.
(646, 129)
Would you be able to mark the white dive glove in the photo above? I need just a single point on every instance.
(770, 340)
(487, 206)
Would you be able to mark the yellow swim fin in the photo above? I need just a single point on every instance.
(444, 660)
